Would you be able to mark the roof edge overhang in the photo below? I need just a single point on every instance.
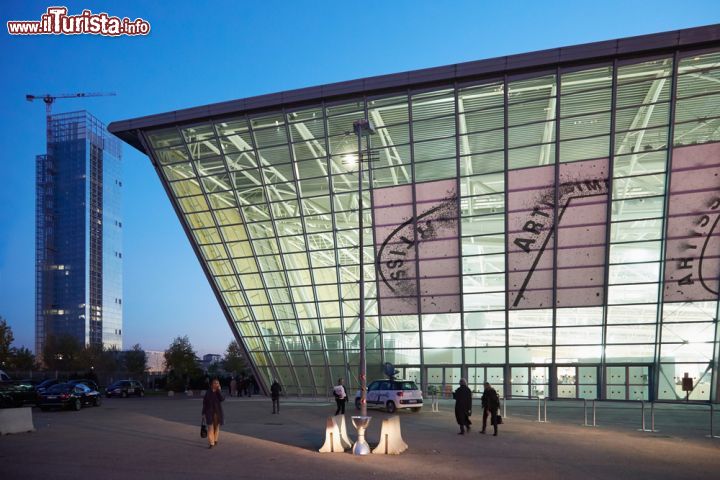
(129, 130)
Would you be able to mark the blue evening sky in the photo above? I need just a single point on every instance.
(205, 52)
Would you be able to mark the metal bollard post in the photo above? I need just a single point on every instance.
(585, 411)
(642, 412)
(652, 417)
(540, 418)
(504, 408)
(594, 424)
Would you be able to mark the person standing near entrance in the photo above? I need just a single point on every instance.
(275, 390)
(463, 406)
(340, 397)
(490, 403)
(213, 412)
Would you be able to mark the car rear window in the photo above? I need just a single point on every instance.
(59, 388)
(406, 386)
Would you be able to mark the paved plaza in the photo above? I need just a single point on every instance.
(158, 437)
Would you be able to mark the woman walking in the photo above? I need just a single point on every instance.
(340, 397)
(463, 406)
(212, 411)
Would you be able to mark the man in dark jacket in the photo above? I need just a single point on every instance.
(275, 390)
(463, 406)
(490, 403)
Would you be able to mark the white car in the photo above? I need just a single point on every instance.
(392, 394)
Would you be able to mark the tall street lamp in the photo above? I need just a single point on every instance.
(362, 127)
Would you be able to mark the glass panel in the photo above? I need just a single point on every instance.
(635, 252)
(642, 293)
(433, 104)
(164, 138)
(630, 334)
(586, 79)
(579, 316)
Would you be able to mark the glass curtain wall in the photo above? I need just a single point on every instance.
(570, 296)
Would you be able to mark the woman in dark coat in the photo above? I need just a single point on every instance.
(212, 411)
(463, 406)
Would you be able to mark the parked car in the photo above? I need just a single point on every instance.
(32, 381)
(72, 396)
(89, 383)
(125, 388)
(45, 384)
(16, 393)
(393, 394)
(4, 377)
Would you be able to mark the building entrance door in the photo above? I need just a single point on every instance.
(574, 381)
(410, 373)
(528, 381)
(478, 375)
(446, 379)
(627, 382)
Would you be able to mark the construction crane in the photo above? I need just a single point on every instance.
(49, 99)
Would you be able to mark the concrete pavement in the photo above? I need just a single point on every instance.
(158, 437)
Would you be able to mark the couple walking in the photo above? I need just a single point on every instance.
(463, 407)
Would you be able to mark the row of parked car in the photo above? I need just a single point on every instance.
(52, 393)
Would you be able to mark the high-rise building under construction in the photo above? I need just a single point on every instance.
(78, 264)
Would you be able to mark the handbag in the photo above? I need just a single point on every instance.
(203, 429)
(498, 420)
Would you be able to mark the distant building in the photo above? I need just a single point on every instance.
(155, 361)
(78, 264)
(209, 359)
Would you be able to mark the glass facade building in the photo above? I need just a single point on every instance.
(545, 222)
(78, 233)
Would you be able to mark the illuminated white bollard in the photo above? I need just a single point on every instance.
(361, 446)
(391, 441)
(333, 437)
(171, 393)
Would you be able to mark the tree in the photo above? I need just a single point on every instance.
(214, 370)
(61, 352)
(22, 359)
(234, 361)
(108, 360)
(6, 339)
(180, 358)
(135, 360)
(90, 358)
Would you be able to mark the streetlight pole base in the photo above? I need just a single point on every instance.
(361, 446)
